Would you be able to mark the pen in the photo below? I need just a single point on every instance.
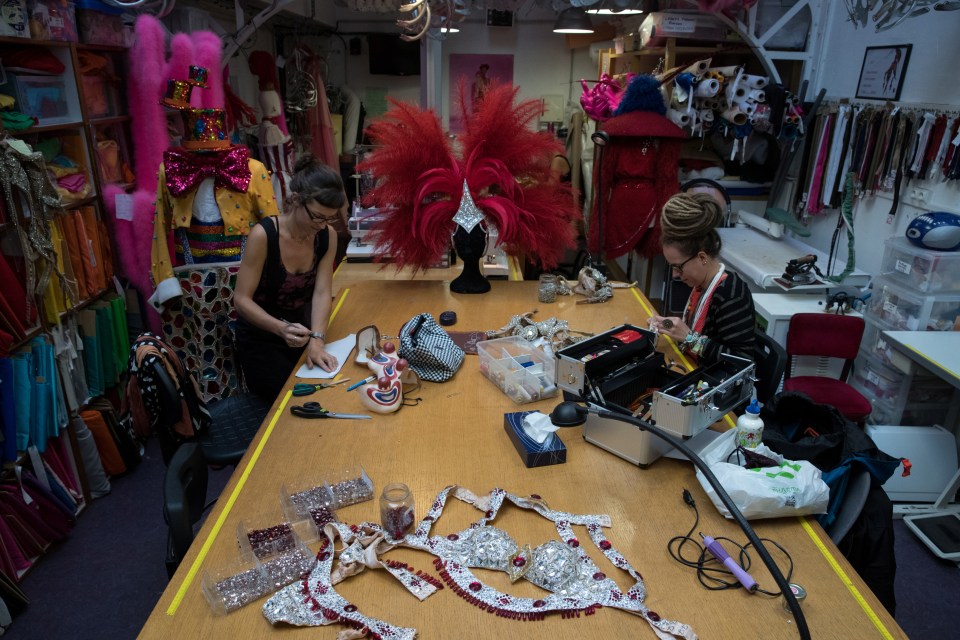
(721, 554)
(361, 383)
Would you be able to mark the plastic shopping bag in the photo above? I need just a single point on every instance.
(793, 488)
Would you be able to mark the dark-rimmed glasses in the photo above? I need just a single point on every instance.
(318, 217)
(679, 267)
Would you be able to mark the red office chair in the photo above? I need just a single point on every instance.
(827, 335)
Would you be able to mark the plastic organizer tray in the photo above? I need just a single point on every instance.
(906, 310)
(519, 369)
(248, 578)
(918, 268)
(317, 500)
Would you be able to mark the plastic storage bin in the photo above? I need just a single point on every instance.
(519, 369)
(911, 396)
(914, 267)
(52, 20)
(99, 23)
(907, 310)
(43, 97)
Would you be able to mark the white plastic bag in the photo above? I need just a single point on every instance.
(792, 489)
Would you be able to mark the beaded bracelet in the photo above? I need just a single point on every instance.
(698, 346)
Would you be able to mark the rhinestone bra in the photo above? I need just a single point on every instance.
(574, 583)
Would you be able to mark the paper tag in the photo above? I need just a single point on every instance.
(124, 205)
(23, 492)
(903, 267)
(38, 469)
(873, 378)
(678, 24)
(889, 307)
(93, 254)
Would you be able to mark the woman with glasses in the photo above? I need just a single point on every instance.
(284, 285)
(719, 316)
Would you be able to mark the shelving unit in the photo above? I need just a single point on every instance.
(75, 109)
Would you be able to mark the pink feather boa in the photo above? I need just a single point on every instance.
(206, 50)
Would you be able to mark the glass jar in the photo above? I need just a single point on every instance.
(548, 288)
(397, 512)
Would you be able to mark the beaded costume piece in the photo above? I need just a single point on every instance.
(575, 584)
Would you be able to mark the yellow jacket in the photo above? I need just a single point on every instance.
(240, 212)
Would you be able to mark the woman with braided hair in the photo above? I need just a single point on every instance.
(719, 316)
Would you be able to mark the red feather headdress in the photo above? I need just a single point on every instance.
(504, 165)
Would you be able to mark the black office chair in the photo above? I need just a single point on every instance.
(771, 361)
(235, 421)
(184, 495)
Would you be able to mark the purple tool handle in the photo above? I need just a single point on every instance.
(721, 554)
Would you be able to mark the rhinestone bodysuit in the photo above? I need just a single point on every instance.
(575, 584)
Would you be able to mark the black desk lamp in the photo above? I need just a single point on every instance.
(600, 139)
(572, 414)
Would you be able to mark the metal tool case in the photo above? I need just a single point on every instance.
(614, 374)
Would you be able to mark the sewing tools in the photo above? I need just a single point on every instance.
(305, 388)
(314, 410)
(357, 385)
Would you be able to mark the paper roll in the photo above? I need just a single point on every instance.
(735, 116)
(729, 72)
(746, 107)
(679, 118)
(757, 95)
(753, 82)
(698, 68)
(706, 88)
(736, 92)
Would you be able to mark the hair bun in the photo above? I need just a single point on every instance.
(305, 161)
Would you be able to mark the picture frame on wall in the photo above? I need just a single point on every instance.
(883, 71)
(474, 74)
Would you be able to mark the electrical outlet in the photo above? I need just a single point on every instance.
(918, 196)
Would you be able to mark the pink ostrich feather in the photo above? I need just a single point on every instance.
(207, 47)
(146, 87)
(506, 165)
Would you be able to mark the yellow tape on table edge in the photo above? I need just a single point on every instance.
(218, 525)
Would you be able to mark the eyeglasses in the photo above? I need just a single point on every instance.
(679, 267)
(319, 217)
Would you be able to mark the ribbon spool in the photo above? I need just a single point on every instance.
(707, 88)
(753, 82)
(706, 115)
(757, 95)
(735, 116)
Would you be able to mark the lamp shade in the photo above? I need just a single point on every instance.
(617, 8)
(573, 20)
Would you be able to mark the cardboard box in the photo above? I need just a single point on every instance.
(532, 452)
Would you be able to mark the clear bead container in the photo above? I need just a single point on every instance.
(548, 288)
(397, 510)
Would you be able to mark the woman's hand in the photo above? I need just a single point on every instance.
(673, 327)
(317, 356)
(295, 334)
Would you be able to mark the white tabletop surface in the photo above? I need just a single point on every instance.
(938, 351)
(760, 258)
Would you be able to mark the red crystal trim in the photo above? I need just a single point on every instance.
(395, 564)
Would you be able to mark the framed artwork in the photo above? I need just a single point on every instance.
(883, 70)
(477, 72)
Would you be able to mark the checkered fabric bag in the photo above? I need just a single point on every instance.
(428, 349)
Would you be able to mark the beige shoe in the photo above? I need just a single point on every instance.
(368, 344)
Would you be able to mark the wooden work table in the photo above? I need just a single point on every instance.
(456, 436)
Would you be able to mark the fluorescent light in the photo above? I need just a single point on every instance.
(614, 12)
(573, 20)
(449, 30)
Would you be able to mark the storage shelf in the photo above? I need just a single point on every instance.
(48, 128)
(105, 120)
(29, 42)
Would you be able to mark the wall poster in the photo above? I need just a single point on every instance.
(479, 72)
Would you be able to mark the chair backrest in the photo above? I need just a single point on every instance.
(171, 411)
(826, 335)
(184, 495)
(771, 362)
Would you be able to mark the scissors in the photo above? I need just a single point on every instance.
(314, 410)
(305, 388)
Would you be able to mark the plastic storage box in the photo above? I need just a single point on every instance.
(52, 20)
(99, 23)
(43, 97)
(519, 369)
(660, 25)
(910, 396)
(914, 267)
(907, 310)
